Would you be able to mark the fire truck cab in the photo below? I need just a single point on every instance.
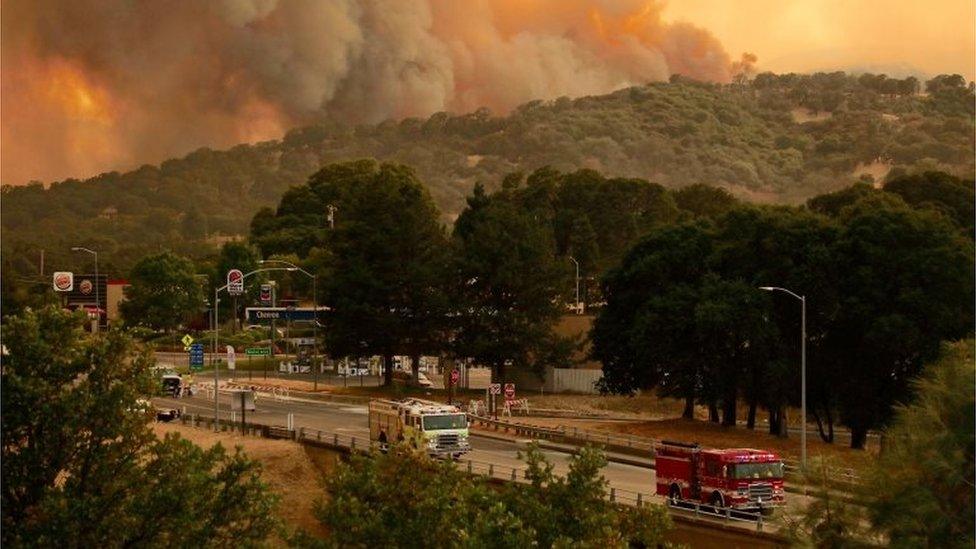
(441, 429)
(740, 478)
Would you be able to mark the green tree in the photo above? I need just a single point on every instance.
(387, 267)
(704, 200)
(921, 491)
(509, 284)
(942, 191)
(645, 335)
(164, 291)
(82, 467)
(404, 499)
(905, 285)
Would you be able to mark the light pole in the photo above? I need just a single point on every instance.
(803, 369)
(216, 364)
(315, 312)
(98, 296)
(573, 259)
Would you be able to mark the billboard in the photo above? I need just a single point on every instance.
(298, 314)
(64, 281)
(235, 282)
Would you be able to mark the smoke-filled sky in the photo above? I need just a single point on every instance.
(93, 85)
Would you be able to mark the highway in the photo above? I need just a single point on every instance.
(351, 420)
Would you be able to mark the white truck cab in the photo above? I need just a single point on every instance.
(441, 428)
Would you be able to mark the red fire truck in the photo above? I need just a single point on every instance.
(740, 478)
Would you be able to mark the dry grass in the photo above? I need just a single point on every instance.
(293, 473)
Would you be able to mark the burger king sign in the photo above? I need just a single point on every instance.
(64, 282)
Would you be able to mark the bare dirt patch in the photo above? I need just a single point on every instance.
(802, 116)
(290, 470)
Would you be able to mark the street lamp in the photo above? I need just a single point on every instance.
(315, 321)
(98, 297)
(216, 364)
(803, 368)
(573, 259)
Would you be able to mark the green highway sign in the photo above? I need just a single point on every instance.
(258, 351)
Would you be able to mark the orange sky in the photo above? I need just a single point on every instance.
(95, 85)
(933, 36)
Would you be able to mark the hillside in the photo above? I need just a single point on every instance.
(774, 139)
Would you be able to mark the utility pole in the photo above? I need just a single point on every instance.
(579, 309)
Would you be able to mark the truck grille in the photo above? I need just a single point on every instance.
(451, 441)
(764, 491)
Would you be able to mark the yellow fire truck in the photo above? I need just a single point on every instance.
(442, 429)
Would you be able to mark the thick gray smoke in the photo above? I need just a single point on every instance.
(95, 85)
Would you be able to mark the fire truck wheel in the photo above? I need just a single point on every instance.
(717, 500)
(675, 493)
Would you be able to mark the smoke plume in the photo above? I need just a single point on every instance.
(89, 86)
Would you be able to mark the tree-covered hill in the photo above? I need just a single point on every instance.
(777, 138)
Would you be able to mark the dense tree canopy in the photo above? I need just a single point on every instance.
(885, 284)
(402, 499)
(508, 283)
(81, 465)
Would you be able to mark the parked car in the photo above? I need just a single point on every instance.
(404, 376)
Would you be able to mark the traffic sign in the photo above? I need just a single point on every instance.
(187, 340)
(231, 357)
(455, 376)
(196, 356)
(509, 391)
(266, 294)
(495, 388)
(258, 351)
(235, 282)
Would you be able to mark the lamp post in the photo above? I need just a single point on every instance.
(315, 312)
(216, 364)
(98, 296)
(803, 368)
(573, 259)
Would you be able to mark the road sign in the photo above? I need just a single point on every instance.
(196, 356)
(266, 294)
(64, 281)
(297, 314)
(235, 282)
(258, 351)
(455, 376)
(495, 388)
(231, 357)
(187, 340)
(509, 391)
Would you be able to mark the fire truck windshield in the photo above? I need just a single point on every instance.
(453, 421)
(757, 470)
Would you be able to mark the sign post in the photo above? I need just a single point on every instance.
(494, 389)
(231, 357)
(453, 379)
(196, 357)
(262, 352)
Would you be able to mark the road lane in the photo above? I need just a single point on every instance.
(352, 420)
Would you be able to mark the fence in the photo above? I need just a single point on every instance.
(491, 471)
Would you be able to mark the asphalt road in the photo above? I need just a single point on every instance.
(351, 420)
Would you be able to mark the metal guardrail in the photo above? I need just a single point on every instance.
(641, 446)
(496, 472)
